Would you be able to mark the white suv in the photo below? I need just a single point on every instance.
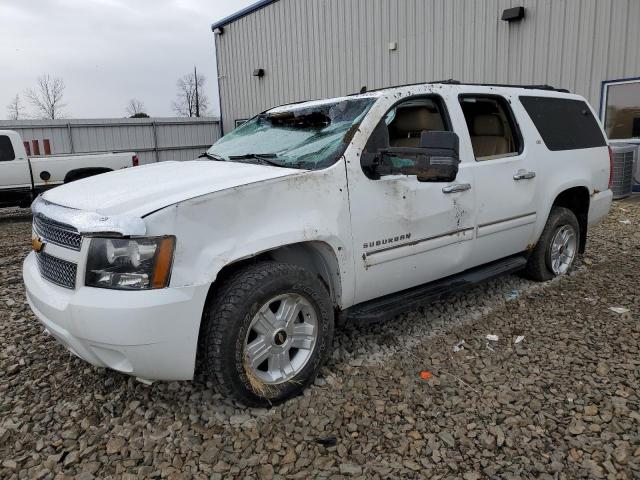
(358, 207)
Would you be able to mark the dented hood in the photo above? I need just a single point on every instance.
(141, 190)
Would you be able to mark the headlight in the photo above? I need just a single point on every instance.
(130, 264)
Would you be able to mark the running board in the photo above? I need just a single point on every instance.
(389, 306)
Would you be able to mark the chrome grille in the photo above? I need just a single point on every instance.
(56, 232)
(57, 271)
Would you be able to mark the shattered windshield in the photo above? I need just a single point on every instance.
(311, 135)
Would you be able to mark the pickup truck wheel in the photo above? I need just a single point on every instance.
(266, 332)
(557, 248)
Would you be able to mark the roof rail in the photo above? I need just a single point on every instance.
(508, 85)
(451, 81)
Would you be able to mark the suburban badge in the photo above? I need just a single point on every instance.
(387, 241)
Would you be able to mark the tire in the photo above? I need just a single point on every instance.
(237, 317)
(540, 266)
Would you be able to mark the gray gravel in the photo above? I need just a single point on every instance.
(561, 404)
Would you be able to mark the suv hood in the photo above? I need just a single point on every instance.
(141, 190)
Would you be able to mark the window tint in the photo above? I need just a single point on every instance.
(493, 131)
(622, 110)
(563, 123)
(6, 149)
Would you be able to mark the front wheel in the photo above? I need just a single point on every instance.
(556, 251)
(266, 333)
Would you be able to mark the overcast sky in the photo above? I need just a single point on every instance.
(109, 51)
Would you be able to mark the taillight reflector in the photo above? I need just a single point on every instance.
(135, 161)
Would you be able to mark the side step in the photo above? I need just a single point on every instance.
(389, 306)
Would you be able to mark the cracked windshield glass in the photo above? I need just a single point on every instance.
(311, 135)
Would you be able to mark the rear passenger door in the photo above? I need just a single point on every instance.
(505, 177)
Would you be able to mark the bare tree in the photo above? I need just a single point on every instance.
(47, 97)
(15, 109)
(191, 100)
(136, 109)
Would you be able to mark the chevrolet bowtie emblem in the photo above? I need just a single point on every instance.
(37, 244)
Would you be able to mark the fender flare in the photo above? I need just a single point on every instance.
(581, 185)
(317, 256)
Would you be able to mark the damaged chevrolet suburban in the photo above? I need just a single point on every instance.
(238, 264)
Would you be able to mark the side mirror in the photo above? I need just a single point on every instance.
(435, 160)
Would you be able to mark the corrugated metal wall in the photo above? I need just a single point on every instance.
(321, 48)
(153, 139)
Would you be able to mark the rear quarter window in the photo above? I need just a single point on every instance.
(563, 123)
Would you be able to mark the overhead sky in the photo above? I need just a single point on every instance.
(109, 51)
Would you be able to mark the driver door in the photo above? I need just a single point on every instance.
(407, 232)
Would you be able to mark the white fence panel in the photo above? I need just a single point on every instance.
(153, 139)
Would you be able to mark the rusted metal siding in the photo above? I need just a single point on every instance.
(153, 139)
(320, 48)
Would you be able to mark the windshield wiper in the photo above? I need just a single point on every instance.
(211, 156)
(263, 158)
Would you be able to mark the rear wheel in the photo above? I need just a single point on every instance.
(266, 333)
(556, 251)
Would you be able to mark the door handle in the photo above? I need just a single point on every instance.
(456, 187)
(524, 175)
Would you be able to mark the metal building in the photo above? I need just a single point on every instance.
(281, 51)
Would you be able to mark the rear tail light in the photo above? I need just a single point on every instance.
(610, 168)
(135, 161)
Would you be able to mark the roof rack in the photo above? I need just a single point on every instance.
(451, 81)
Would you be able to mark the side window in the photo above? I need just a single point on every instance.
(407, 120)
(6, 149)
(494, 133)
(564, 123)
(402, 127)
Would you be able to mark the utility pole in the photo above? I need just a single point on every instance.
(195, 76)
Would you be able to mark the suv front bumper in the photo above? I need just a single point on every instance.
(150, 334)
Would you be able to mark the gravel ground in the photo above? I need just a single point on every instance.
(563, 403)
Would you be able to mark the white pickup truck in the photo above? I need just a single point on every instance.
(358, 207)
(23, 178)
